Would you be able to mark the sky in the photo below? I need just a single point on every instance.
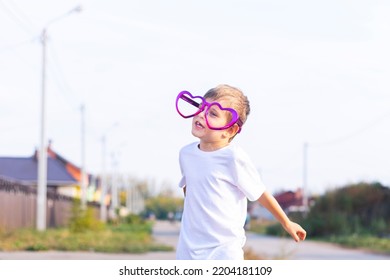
(315, 72)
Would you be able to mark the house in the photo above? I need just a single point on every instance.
(24, 170)
(290, 201)
(63, 176)
(74, 171)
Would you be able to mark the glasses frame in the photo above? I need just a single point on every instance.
(201, 107)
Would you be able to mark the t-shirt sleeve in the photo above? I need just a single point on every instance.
(246, 176)
(182, 181)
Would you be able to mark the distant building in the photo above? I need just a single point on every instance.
(289, 201)
(63, 177)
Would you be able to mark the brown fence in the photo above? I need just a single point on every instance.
(18, 207)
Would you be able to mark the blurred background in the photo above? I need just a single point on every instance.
(106, 75)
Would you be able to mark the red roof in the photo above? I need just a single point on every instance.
(290, 198)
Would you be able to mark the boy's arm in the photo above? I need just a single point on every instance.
(271, 204)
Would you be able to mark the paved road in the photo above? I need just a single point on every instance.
(263, 246)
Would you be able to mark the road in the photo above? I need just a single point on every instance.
(265, 247)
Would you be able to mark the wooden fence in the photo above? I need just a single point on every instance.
(18, 207)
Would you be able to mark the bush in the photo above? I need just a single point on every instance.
(83, 220)
(161, 206)
(361, 209)
(134, 223)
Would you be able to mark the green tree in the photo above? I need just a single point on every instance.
(161, 205)
(362, 208)
(82, 220)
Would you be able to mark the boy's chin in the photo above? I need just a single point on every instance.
(196, 133)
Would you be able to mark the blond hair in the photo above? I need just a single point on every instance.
(238, 101)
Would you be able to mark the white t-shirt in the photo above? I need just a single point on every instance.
(218, 185)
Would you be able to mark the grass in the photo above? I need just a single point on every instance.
(119, 239)
(137, 238)
(369, 243)
(364, 242)
(122, 238)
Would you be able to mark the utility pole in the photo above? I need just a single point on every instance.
(103, 182)
(42, 158)
(114, 187)
(116, 180)
(304, 184)
(83, 179)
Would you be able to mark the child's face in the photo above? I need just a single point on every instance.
(217, 116)
(219, 119)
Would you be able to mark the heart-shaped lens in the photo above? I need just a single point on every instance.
(218, 117)
(188, 105)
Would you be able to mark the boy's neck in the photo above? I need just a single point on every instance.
(212, 146)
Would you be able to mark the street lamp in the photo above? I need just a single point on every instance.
(83, 179)
(115, 203)
(305, 197)
(42, 159)
(103, 207)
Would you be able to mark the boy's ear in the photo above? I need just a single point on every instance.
(233, 130)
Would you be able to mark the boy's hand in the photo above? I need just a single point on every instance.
(296, 231)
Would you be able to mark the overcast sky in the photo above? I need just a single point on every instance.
(314, 71)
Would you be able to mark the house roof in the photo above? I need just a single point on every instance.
(25, 170)
(290, 198)
(71, 168)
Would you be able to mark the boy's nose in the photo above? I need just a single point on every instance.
(201, 114)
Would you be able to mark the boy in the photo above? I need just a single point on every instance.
(218, 178)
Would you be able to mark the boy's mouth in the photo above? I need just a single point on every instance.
(198, 124)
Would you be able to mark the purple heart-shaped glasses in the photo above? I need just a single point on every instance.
(216, 116)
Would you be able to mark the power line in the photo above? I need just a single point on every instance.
(14, 46)
(334, 141)
(22, 21)
(21, 13)
(351, 134)
(60, 79)
(282, 163)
